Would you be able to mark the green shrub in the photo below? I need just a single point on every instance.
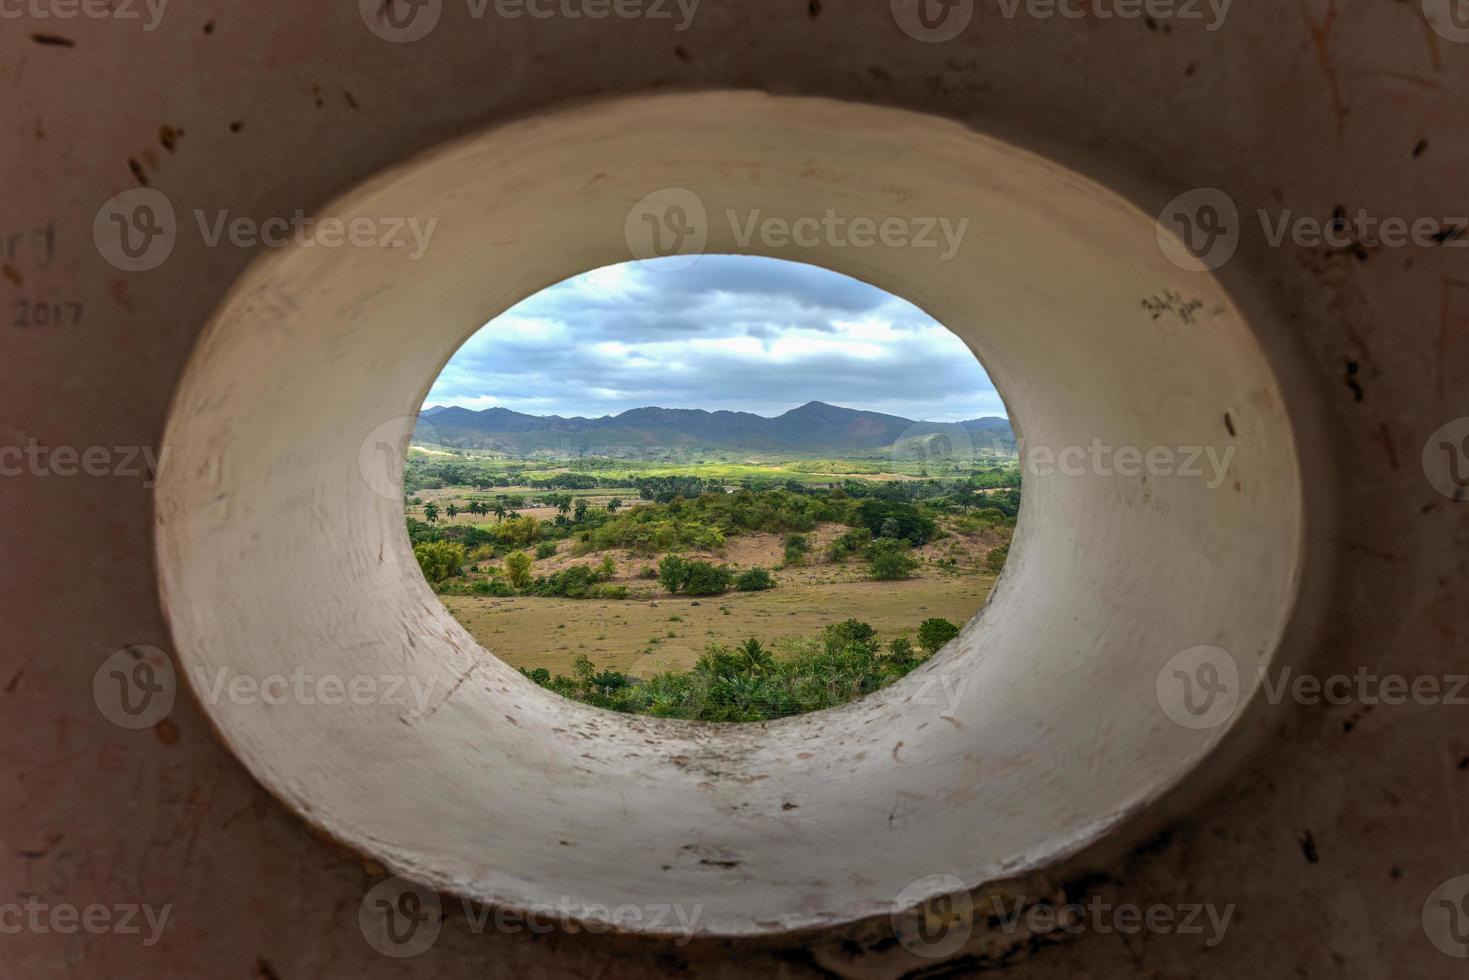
(901, 654)
(673, 572)
(890, 560)
(605, 591)
(571, 583)
(517, 532)
(648, 572)
(546, 549)
(796, 548)
(439, 559)
(896, 519)
(850, 632)
(996, 557)
(706, 579)
(747, 682)
(517, 569)
(491, 587)
(849, 543)
(934, 633)
(754, 580)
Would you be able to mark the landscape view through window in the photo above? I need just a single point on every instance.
(731, 491)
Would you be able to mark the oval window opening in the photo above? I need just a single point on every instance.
(1035, 741)
(734, 490)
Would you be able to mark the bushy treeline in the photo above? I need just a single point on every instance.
(884, 529)
(423, 473)
(444, 562)
(750, 682)
(703, 522)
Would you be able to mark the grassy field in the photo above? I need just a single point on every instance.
(633, 635)
(951, 524)
(647, 636)
(727, 467)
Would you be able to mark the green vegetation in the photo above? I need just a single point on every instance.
(439, 559)
(577, 582)
(754, 580)
(670, 472)
(517, 569)
(749, 682)
(890, 559)
(531, 534)
(698, 578)
(934, 633)
(997, 557)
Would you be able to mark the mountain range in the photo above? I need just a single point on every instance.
(815, 427)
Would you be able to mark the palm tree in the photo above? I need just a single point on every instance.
(757, 659)
(451, 510)
(431, 512)
(500, 511)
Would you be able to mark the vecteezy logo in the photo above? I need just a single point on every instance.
(936, 447)
(135, 687)
(1446, 460)
(400, 21)
(933, 21)
(933, 916)
(383, 451)
(1200, 687)
(400, 918)
(135, 230)
(668, 222)
(1199, 231)
(1446, 917)
(1450, 18)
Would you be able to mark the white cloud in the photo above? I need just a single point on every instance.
(729, 332)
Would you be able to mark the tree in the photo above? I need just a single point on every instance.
(934, 633)
(517, 532)
(613, 504)
(849, 543)
(901, 654)
(517, 569)
(439, 559)
(996, 557)
(563, 504)
(431, 512)
(608, 568)
(754, 580)
(672, 572)
(451, 510)
(851, 632)
(757, 660)
(910, 523)
(500, 510)
(890, 560)
(581, 511)
(706, 579)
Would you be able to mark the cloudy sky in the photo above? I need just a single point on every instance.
(729, 332)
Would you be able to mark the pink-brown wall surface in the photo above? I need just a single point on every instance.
(1331, 841)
